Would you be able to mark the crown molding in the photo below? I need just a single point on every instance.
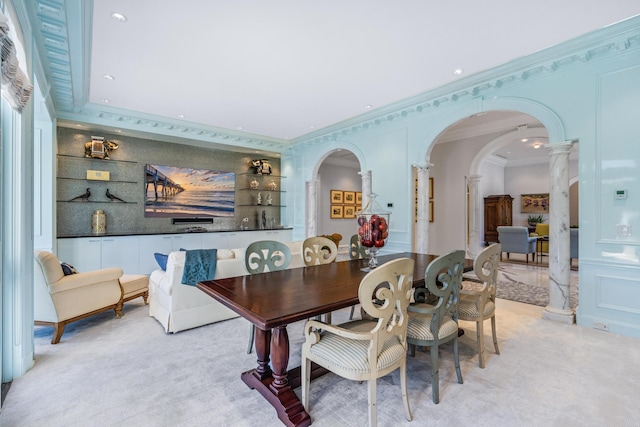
(62, 31)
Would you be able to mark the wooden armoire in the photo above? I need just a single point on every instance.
(497, 212)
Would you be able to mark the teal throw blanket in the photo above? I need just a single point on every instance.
(199, 265)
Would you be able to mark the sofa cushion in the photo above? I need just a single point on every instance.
(161, 259)
(225, 254)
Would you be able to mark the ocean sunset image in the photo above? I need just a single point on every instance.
(186, 192)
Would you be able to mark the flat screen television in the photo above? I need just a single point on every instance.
(175, 192)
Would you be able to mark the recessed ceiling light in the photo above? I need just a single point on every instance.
(109, 77)
(537, 145)
(312, 127)
(524, 139)
(239, 128)
(458, 71)
(181, 116)
(368, 106)
(119, 17)
(106, 101)
(118, 130)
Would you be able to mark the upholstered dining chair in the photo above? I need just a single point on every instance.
(478, 304)
(356, 251)
(435, 322)
(262, 256)
(318, 250)
(365, 350)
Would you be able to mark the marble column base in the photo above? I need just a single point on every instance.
(563, 316)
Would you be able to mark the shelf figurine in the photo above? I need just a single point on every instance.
(84, 197)
(113, 197)
(269, 200)
(259, 199)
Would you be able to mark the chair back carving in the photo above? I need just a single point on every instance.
(265, 254)
(443, 279)
(385, 294)
(318, 250)
(485, 266)
(356, 250)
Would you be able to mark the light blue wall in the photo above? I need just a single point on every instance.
(586, 90)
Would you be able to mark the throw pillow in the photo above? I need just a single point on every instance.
(68, 269)
(161, 259)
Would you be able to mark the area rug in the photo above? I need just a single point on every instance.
(527, 284)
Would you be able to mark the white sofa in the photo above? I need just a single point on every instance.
(178, 307)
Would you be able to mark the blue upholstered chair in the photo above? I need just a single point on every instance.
(573, 243)
(516, 240)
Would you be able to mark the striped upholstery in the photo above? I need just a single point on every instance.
(365, 350)
(468, 309)
(419, 327)
(347, 354)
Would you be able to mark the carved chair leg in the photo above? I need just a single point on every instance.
(145, 298)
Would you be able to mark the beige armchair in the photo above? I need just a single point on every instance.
(365, 350)
(60, 299)
(478, 304)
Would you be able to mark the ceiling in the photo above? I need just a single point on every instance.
(286, 68)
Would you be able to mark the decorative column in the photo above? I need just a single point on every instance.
(312, 208)
(474, 213)
(559, 261)
(422, 225)
(366, 187)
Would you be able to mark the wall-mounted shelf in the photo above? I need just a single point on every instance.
(67, 156)
(260, 175)
(98, 201)
(99, 180)
(261, 206)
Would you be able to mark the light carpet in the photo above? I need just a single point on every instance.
(113, 372)
(528, 284)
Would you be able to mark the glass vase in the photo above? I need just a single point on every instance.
(373, 230)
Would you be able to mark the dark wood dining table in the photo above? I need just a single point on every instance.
(273, 300)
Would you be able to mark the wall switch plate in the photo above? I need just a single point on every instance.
(623, 230)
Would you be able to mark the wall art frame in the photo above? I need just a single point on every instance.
(534, 203)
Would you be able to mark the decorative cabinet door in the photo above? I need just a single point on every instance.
(497, 212)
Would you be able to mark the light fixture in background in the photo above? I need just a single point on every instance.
(108, 77)
(522, 133)
(181, 116)
(458, 71)
(106, 101)
(368, 107)
(537, 145)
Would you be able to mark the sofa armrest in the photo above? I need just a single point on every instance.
(74, 281)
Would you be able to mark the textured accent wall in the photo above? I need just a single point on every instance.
(127, 181)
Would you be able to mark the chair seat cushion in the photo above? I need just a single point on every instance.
(419, 327)
(339, 353)
(469, 308)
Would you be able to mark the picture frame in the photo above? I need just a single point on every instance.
(358, 198)
(349, 197)
(534, 203)
(337, 211)
(431, 216)
(337, 197)
(349, 211)
(358, 208)
(430, 188)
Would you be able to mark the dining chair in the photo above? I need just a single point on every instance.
(433, 318)
(478, 303)
(356, 251)
(365, 350)
(262, 256)
(318, 250)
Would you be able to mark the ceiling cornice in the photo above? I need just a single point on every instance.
(62, 30)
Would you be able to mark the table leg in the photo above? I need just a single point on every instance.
(274, 385)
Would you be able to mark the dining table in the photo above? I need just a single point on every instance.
(273, 300)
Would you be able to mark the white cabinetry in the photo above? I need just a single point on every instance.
(84, 253)
(134, 254)
(121, 252)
